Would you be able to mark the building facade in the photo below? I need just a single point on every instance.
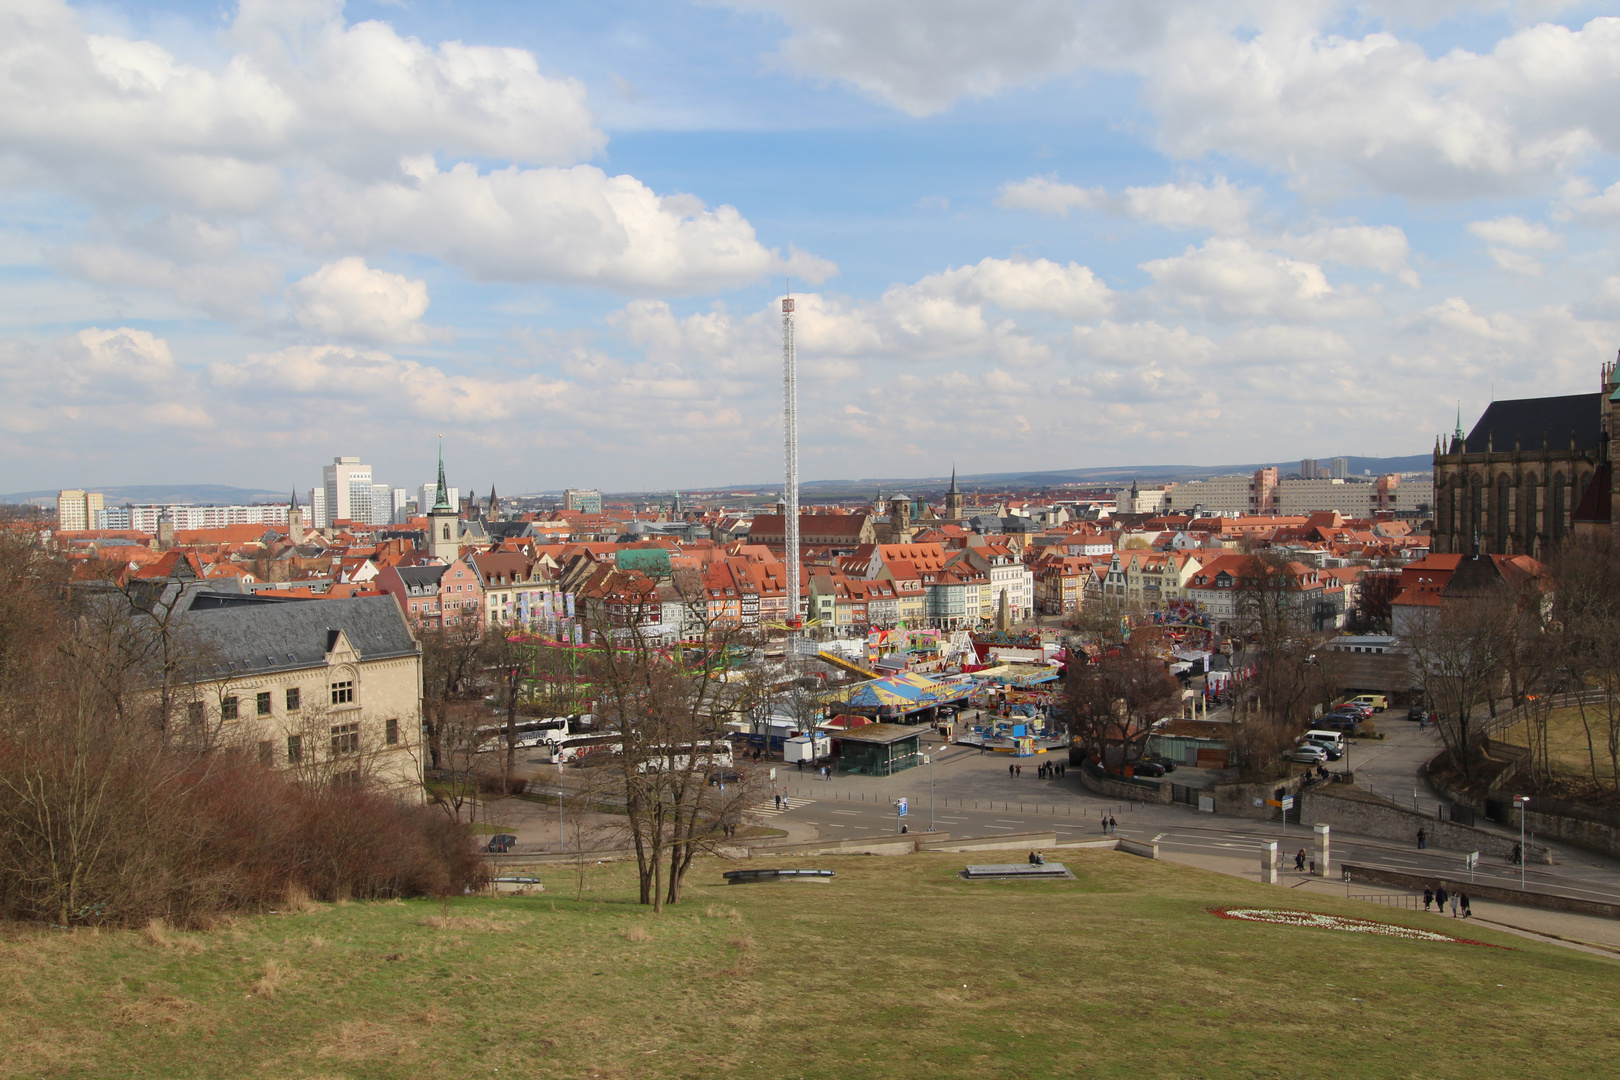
(1531, 473)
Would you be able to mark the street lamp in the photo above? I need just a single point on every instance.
(1521, 800)
(928, 759)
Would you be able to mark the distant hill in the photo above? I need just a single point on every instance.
(1109, 475)
(144, 494)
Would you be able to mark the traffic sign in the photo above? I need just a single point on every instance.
(900, 808)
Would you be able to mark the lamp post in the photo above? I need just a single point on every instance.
(928, 759)
(1521, 800)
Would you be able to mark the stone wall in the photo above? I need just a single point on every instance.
(1477, 890)
(1586, 827)
(1237, 800)
(1128, 789)
(1358, 812)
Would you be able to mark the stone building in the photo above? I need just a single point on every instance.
(1532, 472)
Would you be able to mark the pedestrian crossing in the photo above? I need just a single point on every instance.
(772, 808)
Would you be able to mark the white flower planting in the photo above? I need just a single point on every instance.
(1320, 921)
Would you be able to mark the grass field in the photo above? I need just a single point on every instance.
(896, 969)
(1566, 739)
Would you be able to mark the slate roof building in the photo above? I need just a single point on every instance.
(331, 689)
(1532, 472)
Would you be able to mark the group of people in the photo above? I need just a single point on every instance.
(1050, 770)
(1037, 859)
(1108, 824)
(1438, 897)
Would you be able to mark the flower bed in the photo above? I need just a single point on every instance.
(1317, 920)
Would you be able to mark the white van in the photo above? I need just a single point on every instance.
(1334, 739)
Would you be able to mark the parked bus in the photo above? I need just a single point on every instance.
(531, 732)
(679, 758)
(572, 748)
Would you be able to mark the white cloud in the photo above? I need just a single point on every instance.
(1269, 81)
(1230, 278)
(348, 299)
(122, 120)
(577, 224)
(1516, 232)
(1220, 207)
(1581, 200)
(229, 290)
(1382, 247)
(1515, 262)
(1071, 291)
(1045, 195)
(335, 375)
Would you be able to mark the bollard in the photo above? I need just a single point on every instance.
(1322, 853)
(1268, 863)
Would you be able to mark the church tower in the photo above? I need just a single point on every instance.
(295, 520)
(494, 513)
(953, 500)
(444, 523)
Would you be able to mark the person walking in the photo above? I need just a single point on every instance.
(1518, 853)
(1468, 912)
(1010, 768)
(1454, 905)
(1423, 839)
(1440, 897)
(1428, 898)
(1113, 826)
(1019, 771)
(1299, 859)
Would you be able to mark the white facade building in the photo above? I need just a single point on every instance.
(348, 491)
(184, 516)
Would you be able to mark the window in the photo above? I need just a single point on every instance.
(292, 699)
(343, 692)
(345, 739)
(262, 702)
(267, 753)
(295, 749)
(227, 708)
(391, 732)
(194, 713)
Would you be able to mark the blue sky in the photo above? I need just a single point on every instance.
(239, 240)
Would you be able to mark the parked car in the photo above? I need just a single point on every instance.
(1307, 754)
(1417, 713)
(1149, 768)
(1331, 752)
(1361, 710)
(1374, 702)
(724, 777)
(1338, 722)
(500, 843)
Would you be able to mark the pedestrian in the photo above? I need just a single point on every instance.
(1440, 896)
(1113, 826)
(1018, 771)
(1299, 859)
(1468, 912)
(1518, 853)
(1423, 839)
(1428, 898)
(1010, 768)
(1454, 903)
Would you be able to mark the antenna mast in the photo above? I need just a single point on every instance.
(790, 490)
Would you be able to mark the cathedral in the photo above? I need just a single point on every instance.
(1531, 472)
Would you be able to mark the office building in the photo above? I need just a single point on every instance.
(76, 510)
(348, 491)
(584, 500)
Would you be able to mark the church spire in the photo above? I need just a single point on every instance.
(494, 504)
(441, 498)
(292, 504)
(953, 479)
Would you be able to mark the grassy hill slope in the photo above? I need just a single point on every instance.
(897, 968)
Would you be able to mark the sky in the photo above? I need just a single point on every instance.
(239, 240)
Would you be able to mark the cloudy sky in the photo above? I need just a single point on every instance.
(237, 241)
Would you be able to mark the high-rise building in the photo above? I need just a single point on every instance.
(348, 490)
(319, 514)
(76, 510)
(584, 500)
(1338, 468)
(1307, 468)
(428, 492)
(382, 505)
(399, 503)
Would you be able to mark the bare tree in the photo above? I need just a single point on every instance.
(1460, 648)
(1113, 701)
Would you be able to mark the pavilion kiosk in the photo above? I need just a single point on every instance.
(880, 749)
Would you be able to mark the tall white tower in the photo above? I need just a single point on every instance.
(790, 489)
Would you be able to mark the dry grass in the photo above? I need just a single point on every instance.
(931, 976)
(160, 934)
(277, 973)
(298, 902)
(359, 1040)
(636, 933)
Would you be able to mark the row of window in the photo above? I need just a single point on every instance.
(345, 741)
(230, 706)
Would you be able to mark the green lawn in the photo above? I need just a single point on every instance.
(1566, 741)
(896, 969)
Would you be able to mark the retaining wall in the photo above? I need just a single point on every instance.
(1368, 815)
(1125, 788)
(1237, 800)
(1006, 842)
(1588, 827)
(885, 844)
(1377, 875)
(1146, 849)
